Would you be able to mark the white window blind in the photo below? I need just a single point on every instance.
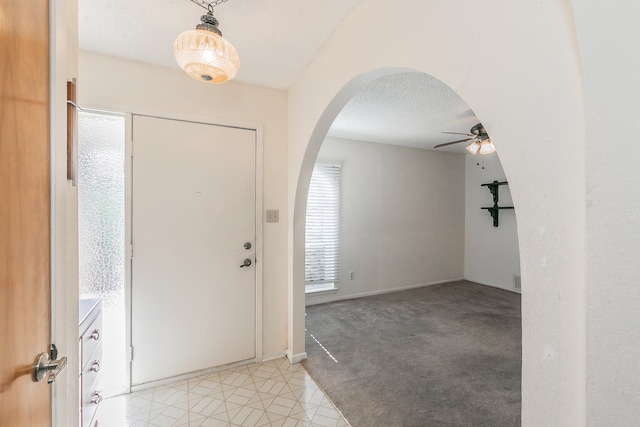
(323, 227)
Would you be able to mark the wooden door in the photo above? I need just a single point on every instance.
(193, 210)
(24, 210)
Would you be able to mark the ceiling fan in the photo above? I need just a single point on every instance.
(481, 143)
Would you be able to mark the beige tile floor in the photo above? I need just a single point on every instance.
(273, 393)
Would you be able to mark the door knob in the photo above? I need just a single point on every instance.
(246, 263)
(44, 364)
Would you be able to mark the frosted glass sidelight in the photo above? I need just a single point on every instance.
(101, 233)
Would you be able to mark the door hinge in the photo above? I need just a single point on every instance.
(131, 147)
(131, 353)
(131, 250)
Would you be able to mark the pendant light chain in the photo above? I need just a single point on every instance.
(208, 5)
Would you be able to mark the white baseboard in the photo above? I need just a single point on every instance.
(296, 358)
(188, 375)
(515, 291)
(321, 299)
(265, 358)
(274, 355)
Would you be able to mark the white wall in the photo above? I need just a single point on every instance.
(402, 217)
(608, 33)
(517, 65)
(491, 254)
(121, 85)
(521, 73)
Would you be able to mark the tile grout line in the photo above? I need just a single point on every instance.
(293, 381)
(326, 395)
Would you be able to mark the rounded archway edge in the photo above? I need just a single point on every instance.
(534, 112)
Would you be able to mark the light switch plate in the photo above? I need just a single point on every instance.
(273, 216)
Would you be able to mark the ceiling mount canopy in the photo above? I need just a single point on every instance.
(203, 53)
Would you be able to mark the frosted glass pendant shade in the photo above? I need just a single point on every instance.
(206, 56)
(473, 148)
(487, 147)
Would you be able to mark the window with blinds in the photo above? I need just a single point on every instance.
(323, 228)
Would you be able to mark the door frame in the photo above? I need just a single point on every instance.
(130, 150)
(63, 217)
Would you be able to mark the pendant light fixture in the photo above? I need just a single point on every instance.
(203, 53)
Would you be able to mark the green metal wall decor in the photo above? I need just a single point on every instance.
(495, 209)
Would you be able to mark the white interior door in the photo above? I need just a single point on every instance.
(193, 210)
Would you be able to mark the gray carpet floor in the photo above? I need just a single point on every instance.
(442, 355)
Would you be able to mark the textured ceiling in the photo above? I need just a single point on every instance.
(408, 109)
(276, 40)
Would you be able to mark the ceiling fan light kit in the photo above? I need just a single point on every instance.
(204, 54)
(481, 144)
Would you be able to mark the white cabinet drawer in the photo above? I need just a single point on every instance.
(91, 339)
(90, 374)
(90, 348)
(89, 408)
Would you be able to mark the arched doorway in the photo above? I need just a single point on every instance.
(404, 225)
(534, 111)
(400, 197)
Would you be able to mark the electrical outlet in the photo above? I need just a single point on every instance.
(351, 274)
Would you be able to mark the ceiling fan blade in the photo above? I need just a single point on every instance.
(458, 133)
(452, 142)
